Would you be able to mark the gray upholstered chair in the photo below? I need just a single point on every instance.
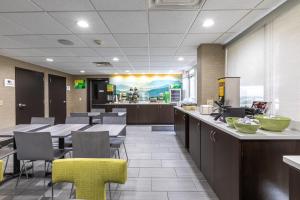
(97, 120)
(119, 110)
(91, 145)
(79, 114)
(100, 110)
(116, 142)
(33, 146)
(77, 120)
(43, 120)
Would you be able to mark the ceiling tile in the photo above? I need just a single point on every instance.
(132, 40)
(36, 22)
(163, 58)
(187, 51)
(165, 40)
(31, 41)
(226, 37)
(162, 51)
(6, 42)
(249, 20)
(119, 4)
(11, 28)
(138, 58)
(73, 38)
(230, 4)
(107, 40)
(69, 19)
(223, 20)
(270, 4)
(109, 51)
(64, 5)
(126, 22)
(56, 52)
(17, 6)
(140, 64)
(135, 51)
(21, 52)
(197, 39)
(170, 21)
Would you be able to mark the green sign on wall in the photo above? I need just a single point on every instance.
(79, 84)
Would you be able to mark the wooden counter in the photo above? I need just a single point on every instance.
(144, 113)
(237, 167)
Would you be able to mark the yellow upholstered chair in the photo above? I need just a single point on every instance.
(89, 175)
(1, 170)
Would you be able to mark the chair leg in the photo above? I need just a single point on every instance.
(32, 163)
(21, 172)
(109, 189)
(25, 169)
(7, 160)
(72, 189)
(45, 172)
(118, 151)
(125, 151)
(52, 191)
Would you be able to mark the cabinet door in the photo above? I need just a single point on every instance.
(147, 114)
(206, 152)
(131, 114)
(194, 138)
(226, 165)
(166, 114)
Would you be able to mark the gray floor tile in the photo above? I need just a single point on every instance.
(191, 196)
(157, 172)
(144, 163)
(174, 184)
(169, 156)
(143, 196)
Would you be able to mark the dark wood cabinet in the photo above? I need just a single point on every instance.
(194, 140)
(207, 152)
(144, 113)
(181, 128)
(226, 165)
(294, 184)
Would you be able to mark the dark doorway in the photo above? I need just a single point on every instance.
(57, 98)
(29, 95)
(97, 92)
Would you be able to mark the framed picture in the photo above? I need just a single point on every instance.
(79, 84)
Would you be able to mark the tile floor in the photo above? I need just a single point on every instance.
(159, 169)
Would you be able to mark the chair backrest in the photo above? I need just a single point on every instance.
(91, 144)
(1, 170)
(119, 110)
(79, 114)
(89, 175)
(114, 120)
(77, 120)
(100, 110)
(42, 120)
(34, 146)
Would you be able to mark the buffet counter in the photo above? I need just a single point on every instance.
(250, 164)
(144, 112)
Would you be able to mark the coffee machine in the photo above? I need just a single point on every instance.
(110, 93)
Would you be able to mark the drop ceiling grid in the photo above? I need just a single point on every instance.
(156, 44)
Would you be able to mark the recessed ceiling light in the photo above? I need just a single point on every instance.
(115, 59)
(49, 59)
(83, 24)
(127, 71)
(208, 23)
(180, 58)
(82, 71)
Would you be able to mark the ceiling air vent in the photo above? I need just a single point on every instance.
(103, 64)
(174, 4)
(65, 42)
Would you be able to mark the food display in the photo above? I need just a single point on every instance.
(246, 125)
(230, 121)
(273, 123)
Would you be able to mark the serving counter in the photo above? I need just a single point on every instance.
(237, 166)
(144, 113)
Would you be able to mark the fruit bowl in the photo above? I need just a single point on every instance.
(273, 123)
(249, 128)
(230, 121)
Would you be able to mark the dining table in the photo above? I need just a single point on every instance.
(92, 115)
(114, 130)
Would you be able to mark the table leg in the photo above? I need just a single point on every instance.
(61, 143)
(91, 120)
(16, 169)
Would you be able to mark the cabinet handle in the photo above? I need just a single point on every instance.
(210, 134)
(213, 136)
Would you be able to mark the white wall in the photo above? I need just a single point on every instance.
(270, 58)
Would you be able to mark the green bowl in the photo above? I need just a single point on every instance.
(230, 120)
(246, 128)
(276, 123)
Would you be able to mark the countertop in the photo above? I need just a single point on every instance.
(260, 134)
(140, 103)
(293, 161)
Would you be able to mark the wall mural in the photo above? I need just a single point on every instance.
(148, 85)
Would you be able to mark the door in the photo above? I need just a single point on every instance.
(57, 98)
(207, 152)
(194, 137)
(29, 95)
(98, 92)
